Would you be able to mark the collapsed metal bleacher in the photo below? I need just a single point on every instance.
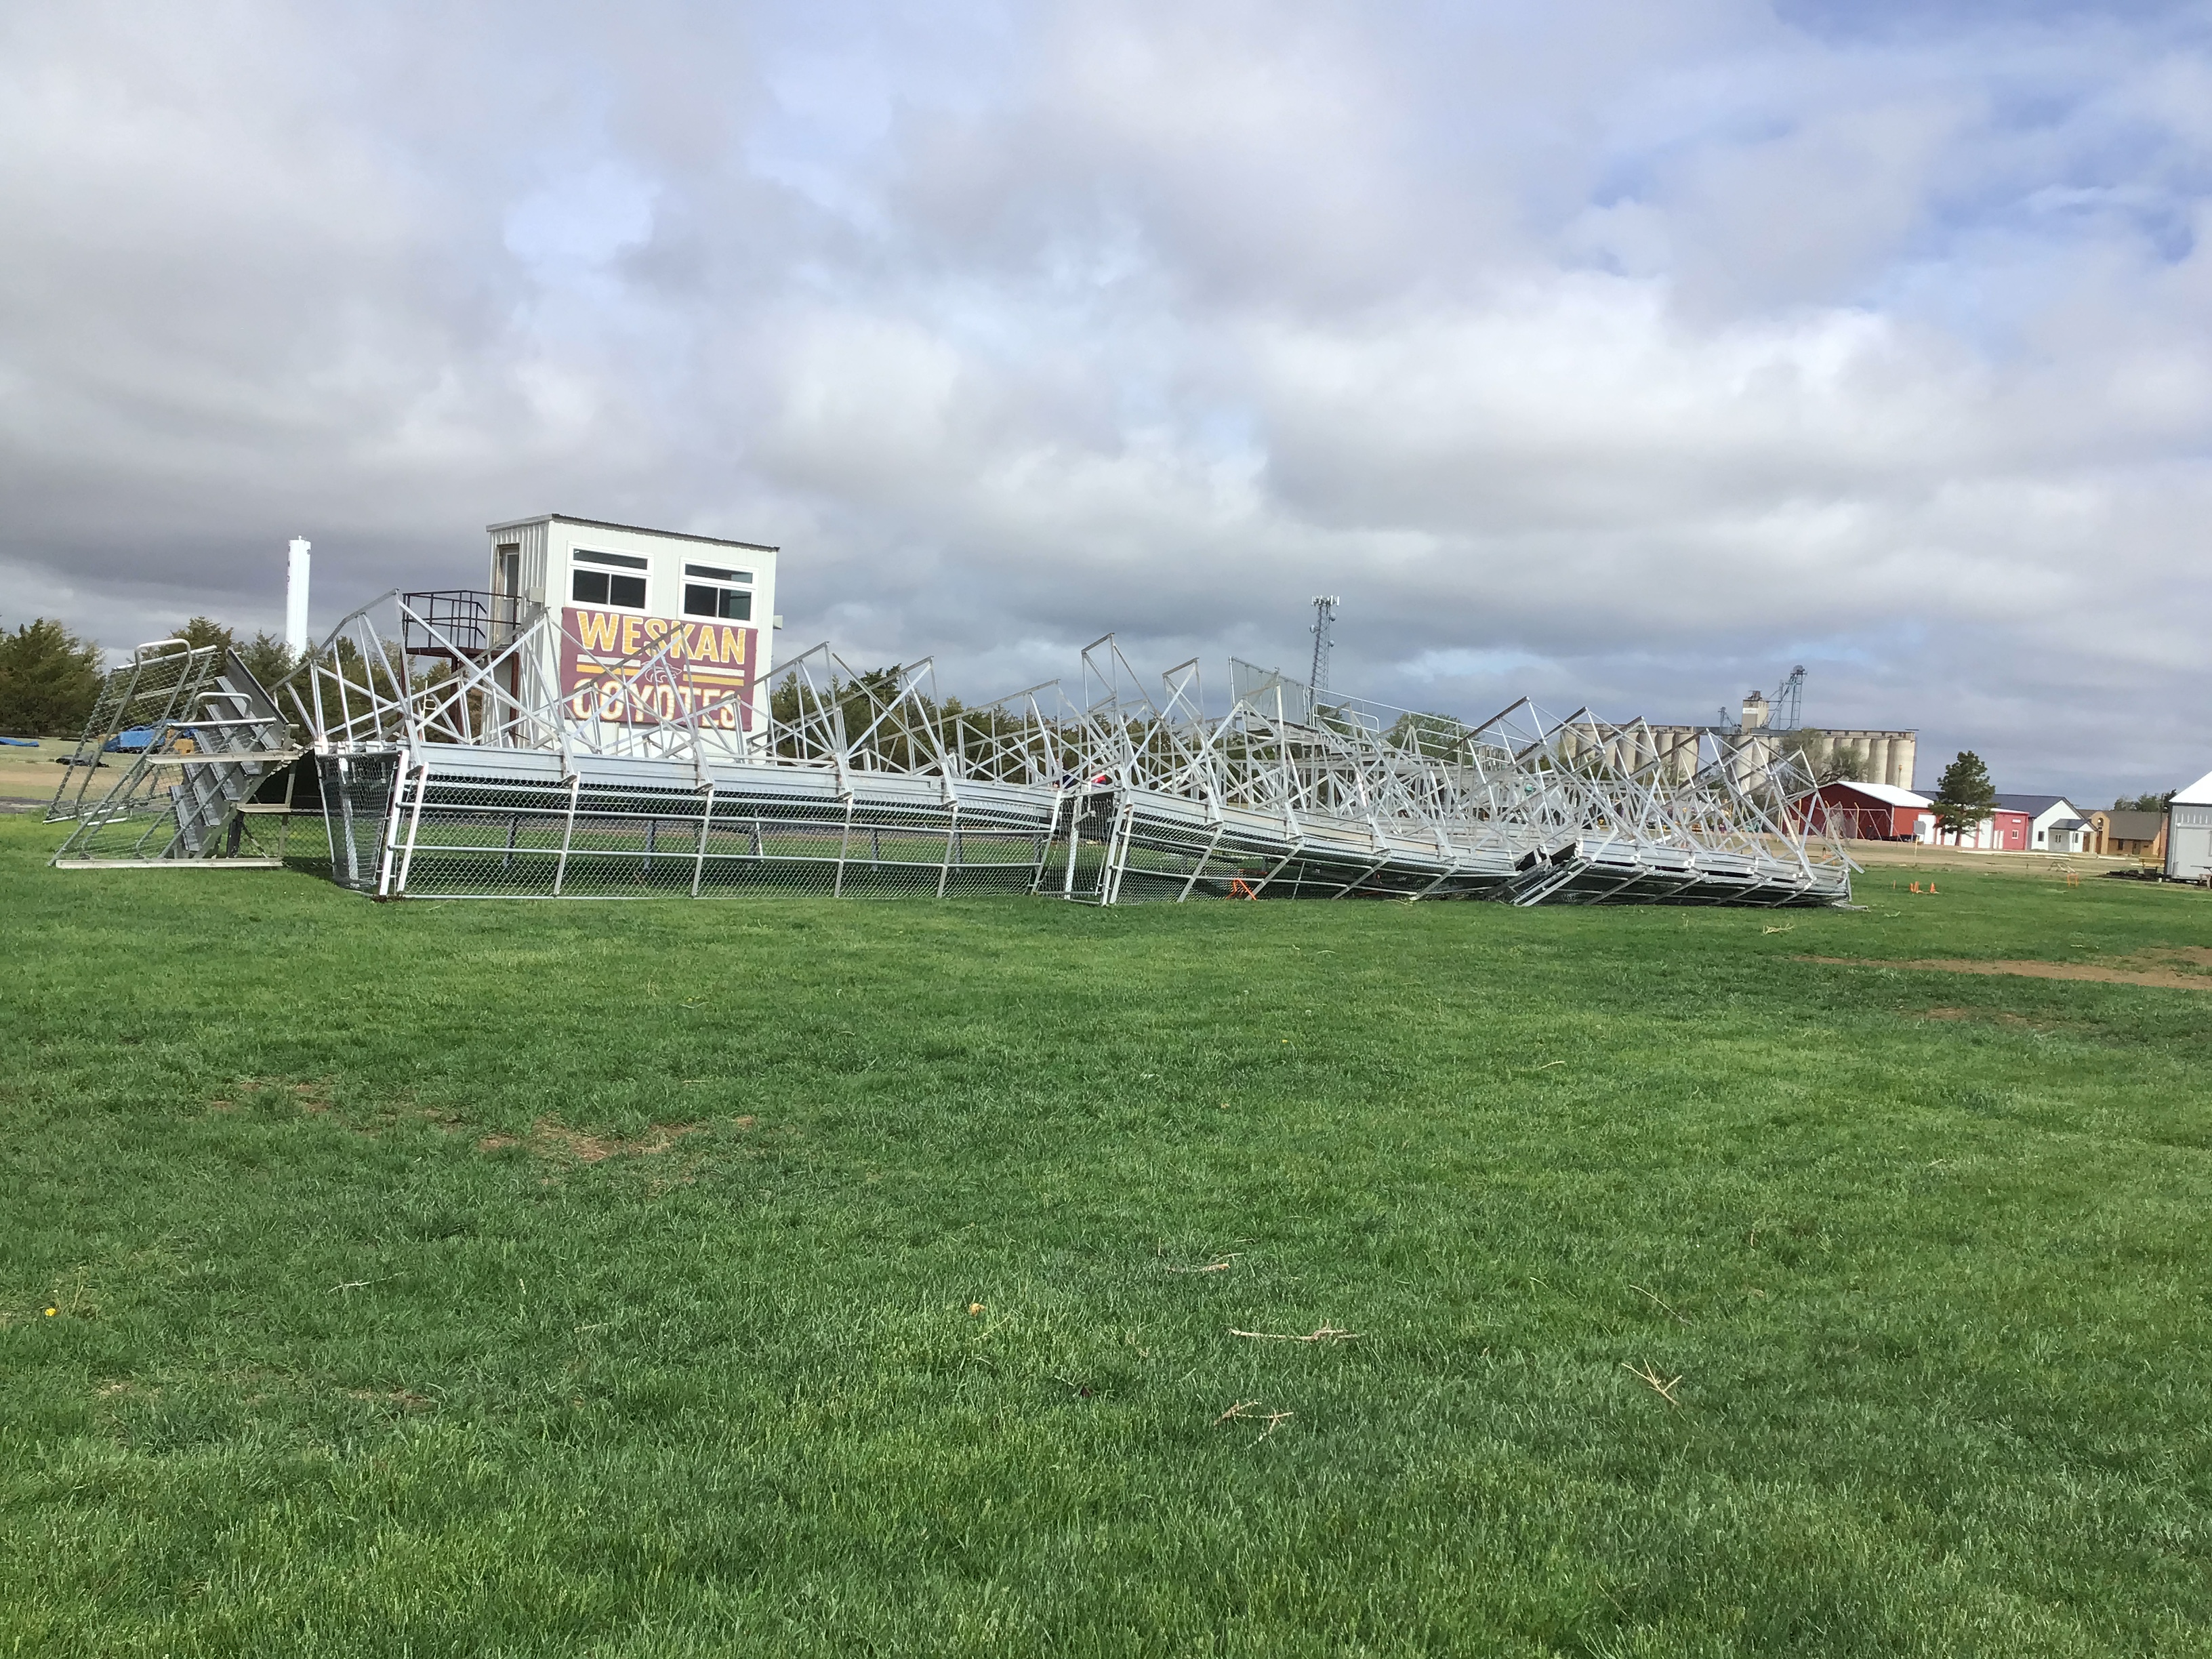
(437, 748)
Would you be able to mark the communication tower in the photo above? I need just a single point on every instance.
(1324, 606)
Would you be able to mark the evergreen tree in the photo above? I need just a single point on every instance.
(268, 658)
(1965, 797)
(205, 630)
(2144, 803)
(49, 679)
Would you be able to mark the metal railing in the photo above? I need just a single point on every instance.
(461, 622)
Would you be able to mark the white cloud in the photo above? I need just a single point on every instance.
(1625, 354)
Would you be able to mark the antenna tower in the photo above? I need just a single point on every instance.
(1324, 606)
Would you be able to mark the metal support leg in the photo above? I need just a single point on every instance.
(567, 835)
(706, 828)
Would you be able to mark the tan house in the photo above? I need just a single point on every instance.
(2129, 835)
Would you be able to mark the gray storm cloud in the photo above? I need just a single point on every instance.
(1619, 354)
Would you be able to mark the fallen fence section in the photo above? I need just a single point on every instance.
(443, 762)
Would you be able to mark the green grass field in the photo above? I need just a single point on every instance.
(790, 1276)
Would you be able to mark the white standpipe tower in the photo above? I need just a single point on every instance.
(296, 599)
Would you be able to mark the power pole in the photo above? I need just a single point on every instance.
(1324, 606)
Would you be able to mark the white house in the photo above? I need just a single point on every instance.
(2189, 832)
(2055, 824)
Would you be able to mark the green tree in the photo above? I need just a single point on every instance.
(205, 630)
(268, 658)
(1436, 735)
(49, 679)
(1964, 794)
(2144, 803)
(1846, 763)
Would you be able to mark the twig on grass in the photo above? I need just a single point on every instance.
(1665, 1389)
(1220, 1266)
(1661, 1300)
(1786, 927)
(1321, 1333)
(1610, 1597)
(1248, 1411)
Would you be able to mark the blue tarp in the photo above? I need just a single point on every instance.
(130, 742)
(21, 742)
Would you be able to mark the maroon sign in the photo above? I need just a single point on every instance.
(605, 658)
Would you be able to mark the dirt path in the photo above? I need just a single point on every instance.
(1906, 858)
(2167, 967)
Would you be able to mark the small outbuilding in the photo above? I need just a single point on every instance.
(2189, 832)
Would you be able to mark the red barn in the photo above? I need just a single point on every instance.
(1866, 811)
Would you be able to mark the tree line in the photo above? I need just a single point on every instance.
(50, 677)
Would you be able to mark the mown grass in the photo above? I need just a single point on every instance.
(449, 1279)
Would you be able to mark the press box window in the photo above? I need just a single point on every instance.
(608, 586)
(705, 595)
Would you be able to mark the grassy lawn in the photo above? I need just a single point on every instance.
(793, 1276)
(31, 774)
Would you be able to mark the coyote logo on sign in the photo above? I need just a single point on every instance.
(605, 654)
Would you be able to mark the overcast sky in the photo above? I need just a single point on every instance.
(1616, 353)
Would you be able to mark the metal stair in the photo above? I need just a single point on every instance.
(213, 737)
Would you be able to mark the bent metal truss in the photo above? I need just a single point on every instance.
(429, 737)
